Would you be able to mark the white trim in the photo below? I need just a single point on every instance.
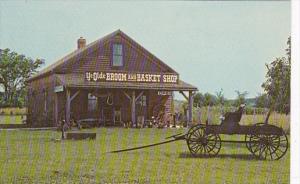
(295, 95)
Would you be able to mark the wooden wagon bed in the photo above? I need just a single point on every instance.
(243, 129)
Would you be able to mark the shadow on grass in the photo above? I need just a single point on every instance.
(234, 156)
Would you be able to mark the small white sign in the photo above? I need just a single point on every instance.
(58, 89)
(164, 93)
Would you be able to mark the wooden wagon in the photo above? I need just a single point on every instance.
(263, 140)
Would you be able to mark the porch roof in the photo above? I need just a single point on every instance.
(78, 81)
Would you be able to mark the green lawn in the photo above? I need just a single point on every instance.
(8, 119)
(32, 157)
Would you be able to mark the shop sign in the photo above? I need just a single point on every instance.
(130, 77)
(58, 89)
(164, 93)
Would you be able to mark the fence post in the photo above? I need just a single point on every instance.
(209, 114)
(199, 114)
(275, 117)
(288, 119)
(221, 113)
(265, 114)
(222, 109)
(254, 116)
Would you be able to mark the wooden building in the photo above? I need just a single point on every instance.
(111, 80)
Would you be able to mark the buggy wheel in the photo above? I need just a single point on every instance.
(247, 141)
(193, 128)
(248, 138)
(268, 147)
(201, 143)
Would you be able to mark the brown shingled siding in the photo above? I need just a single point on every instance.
(157, 103)
(36, 102)
(134, 59)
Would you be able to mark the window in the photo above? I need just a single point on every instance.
(143, 101)
(117, 55)
(92, 103)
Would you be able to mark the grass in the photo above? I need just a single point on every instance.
(32, 157)
(8, 119)
(277, 119)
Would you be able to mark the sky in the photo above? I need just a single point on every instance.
(212, 45)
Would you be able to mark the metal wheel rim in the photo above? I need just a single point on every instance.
(249, 136)
(247, 140)
(201, 143)
(268, 147)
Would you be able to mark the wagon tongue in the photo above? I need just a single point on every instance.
(175, 138)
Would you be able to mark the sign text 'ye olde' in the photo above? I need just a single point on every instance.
(130, 77)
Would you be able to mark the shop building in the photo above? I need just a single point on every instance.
(113, 80)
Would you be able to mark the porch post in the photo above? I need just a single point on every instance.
(191, 101)
(68, 106)
(73, 96)
(133, 108)
(181, 92)
(56, 109)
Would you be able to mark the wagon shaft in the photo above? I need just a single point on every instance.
(176, 137)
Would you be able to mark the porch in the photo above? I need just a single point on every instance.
(115, 103)
(116, 107)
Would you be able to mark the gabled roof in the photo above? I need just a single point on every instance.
(78, 52)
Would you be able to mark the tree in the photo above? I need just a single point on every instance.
(204, 100)
(262, 101)
(220, 99)
(15, 69)
(209, 99)
(288, 50)
(241, 98)
(198, 99)
(277, 84)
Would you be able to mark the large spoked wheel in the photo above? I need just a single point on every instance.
(193, 128)
(248, 138)
(200, 143)
(268, 147)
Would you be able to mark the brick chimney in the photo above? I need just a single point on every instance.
(81, 42)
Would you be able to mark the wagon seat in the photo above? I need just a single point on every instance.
(230, 121)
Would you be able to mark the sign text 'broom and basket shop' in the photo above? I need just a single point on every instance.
(130, 77)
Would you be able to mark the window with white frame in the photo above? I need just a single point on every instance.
(143, 100)
(92, 103)
(117, 55)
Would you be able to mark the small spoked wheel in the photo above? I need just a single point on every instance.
(267, 146)
(247, 140)
(200, 143)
